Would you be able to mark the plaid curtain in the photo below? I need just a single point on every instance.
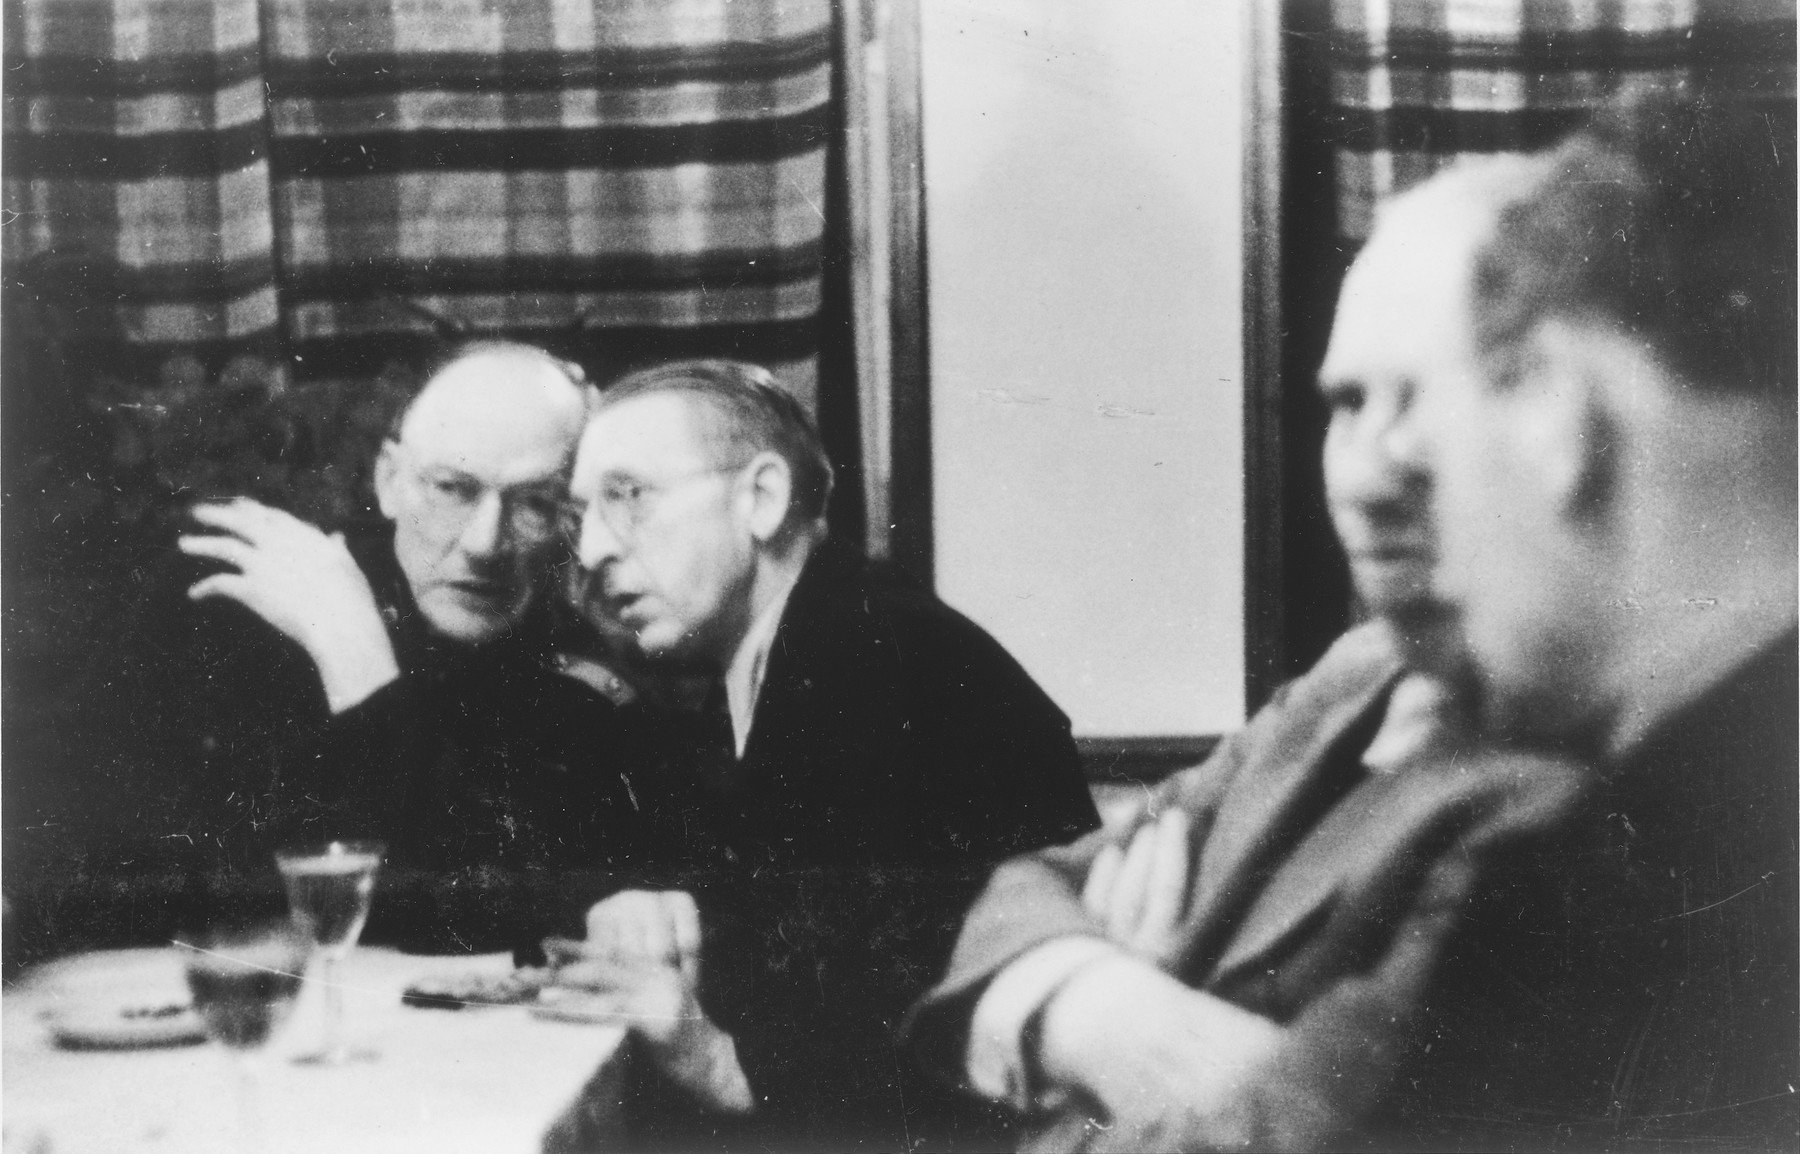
(338, 182)
(1414, 83)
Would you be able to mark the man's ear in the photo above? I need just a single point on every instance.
(769, 488)
(1566, 397)
(387, 479)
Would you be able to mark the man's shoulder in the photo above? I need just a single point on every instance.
(876, 633)
(845, 598)
(938, 727)
(1325, 722)
(1722, 772)
(1342, 689)
(1749, 711)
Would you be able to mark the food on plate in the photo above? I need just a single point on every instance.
(573, 987)
(562, 1004)
(454, 991)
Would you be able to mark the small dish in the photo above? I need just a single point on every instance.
(124, 1027)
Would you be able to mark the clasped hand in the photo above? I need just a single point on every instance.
(1139, 894)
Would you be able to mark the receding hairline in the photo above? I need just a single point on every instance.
(1463, 200)
(526, 374)
(1439, 227)
(736, 411)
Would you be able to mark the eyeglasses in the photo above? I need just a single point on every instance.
(531, 512)
(626, 504)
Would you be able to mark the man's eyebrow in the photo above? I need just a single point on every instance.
(443, 472)
(437, 468)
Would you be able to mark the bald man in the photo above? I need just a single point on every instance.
(469, 480)
(403, 683)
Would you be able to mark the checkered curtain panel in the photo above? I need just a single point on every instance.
(1415, 83)
(622, 179)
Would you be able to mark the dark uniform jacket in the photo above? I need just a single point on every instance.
(502, 787)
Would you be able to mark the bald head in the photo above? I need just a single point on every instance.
(504, 389)
(1404, 329)
(472, 481)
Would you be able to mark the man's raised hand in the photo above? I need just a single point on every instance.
(303, 582)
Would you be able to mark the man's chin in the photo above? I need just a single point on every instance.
(1397, 582)
(1430, 635)
(668, 650)
(468, 618)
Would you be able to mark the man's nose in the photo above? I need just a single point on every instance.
(482, 535)
(1403, 445)
(598, 544)
(1382, 474)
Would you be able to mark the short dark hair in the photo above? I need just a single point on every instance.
(752, 414)
(465, 350)
(1672, 216)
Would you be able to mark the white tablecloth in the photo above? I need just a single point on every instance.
(490, 1079)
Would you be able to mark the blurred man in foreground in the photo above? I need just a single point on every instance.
(865, 755)
(1617, 511)
(470, 482)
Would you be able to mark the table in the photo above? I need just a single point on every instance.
(489, 1079)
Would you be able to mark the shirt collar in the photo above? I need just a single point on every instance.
(1420, 718)
(744, 676)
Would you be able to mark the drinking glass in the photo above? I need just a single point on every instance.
(244, 980)
(329, 888)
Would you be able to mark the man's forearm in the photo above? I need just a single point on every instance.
(354, 659)
(1000, 1053)
(704, 1063)
(1126, 1032)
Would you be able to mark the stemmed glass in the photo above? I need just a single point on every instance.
(244, 980)
(329, 890)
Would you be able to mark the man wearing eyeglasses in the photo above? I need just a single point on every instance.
(445, 724)
(471, 482)
(868, 753)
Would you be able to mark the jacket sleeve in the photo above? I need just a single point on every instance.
(989, 743)
(1330, 1071)
(351, 776)
(1036, 898)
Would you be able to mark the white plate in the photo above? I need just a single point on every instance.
(119, 999)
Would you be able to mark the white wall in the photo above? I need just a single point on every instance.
(1084, 204)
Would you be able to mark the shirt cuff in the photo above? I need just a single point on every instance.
(996, 1061)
